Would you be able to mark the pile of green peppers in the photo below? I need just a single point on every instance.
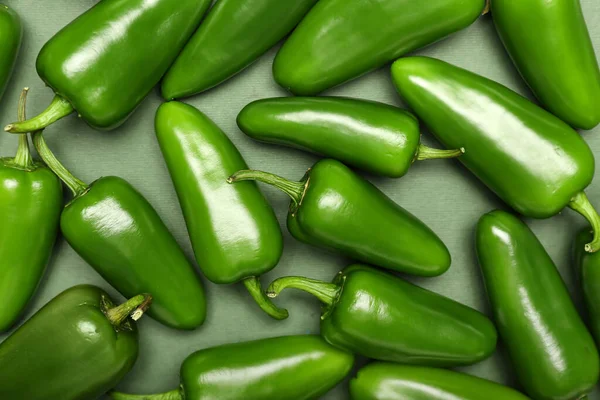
(101, 66)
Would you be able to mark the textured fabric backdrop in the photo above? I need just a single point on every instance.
(441, 193)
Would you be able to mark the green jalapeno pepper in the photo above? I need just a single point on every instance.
(551, 350)
(588, 266)
(340, 40)
(377, 315)
(289, 367)
(104, 63)
(30, 201)
(234, 34)
(334, 208)
(550, 45)
(234, 232)
(376, 137)
(77, 347)
(11, 32)
(385, 381)
(118, 232)
(532, 160)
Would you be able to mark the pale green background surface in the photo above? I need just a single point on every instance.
(442, 194)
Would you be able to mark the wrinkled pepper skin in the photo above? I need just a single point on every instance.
(531, 159)
(104, 63)
(550, 45)
(375, 137)
(234, 34)
(289, 367)
(31, 201)
(69, 350)
(379, 316)
(588, 267)
(116, 230)
(339, 40)
(11, 32)
(334, 208)
(553, 354)
(234, 231)
(384, 381)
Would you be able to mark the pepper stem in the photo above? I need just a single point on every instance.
(581, 204)
(487, 7)
(77, 186)
(176, 394)
(293, 189)
(23, 157)
(59, 108)
(134, 308)
(428, 153)
(324, 291)
(255, 290)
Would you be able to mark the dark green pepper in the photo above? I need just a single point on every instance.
(377, 315)
(376, 137)
(30, 201)
(334, 208)
(234, 34)
(77, 347)
(116, 230)
(588, 266)
(551, 350)
(11, 32)
(104, 63)
(340, 40)
(289, 367)
(234, 232)
(384, 381)
(551, 47)
(532, 160)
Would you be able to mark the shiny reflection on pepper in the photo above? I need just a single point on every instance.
(108, 217)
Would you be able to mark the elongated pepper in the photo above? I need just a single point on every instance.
(373, 136)
(288, 367)
(334, 208)
(118, 232)
(377, 315)
(531, 159)
(234, 232)
(30, 201)
(11, 32)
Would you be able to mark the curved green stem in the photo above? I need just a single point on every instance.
(293, 189)
(581, 204)
(428, 153)
(134, 308)
(255, 290)
(176, 394)
(23, 157)
(326, 292)
(77, 186)
(59, 108)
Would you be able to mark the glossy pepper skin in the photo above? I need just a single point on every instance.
(339, 40)
(288, 367)
(373, 136)
(234, 34)
(118, 232)
(77, 347)
(553, 354)
(385, 381)
(103, 64)
(550, 45)
(334, 208)
(377, 315)
(588, 267)
(30, 201)
(532, 160)
(11, 32)
(234, 232)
